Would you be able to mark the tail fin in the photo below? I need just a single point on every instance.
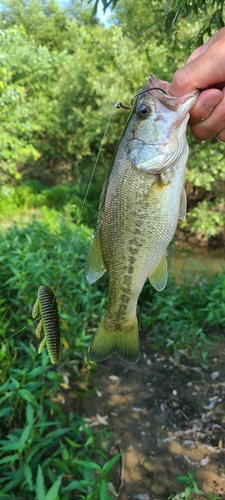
(124, 342)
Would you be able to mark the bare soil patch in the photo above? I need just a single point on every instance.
(168, 421)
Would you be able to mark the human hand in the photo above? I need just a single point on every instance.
(205, 70)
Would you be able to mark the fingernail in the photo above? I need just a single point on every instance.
(213, 101)
(207, 107)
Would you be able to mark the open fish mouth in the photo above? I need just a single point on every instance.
(120, 105)
(160, 91)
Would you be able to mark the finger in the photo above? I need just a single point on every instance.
(201, 72)
(206, 103)
(221, 136)
(213, 125)
(197, 52)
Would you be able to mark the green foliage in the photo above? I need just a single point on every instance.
(61, 72)
(163, 52)
(44, 22)
(105, 3)
(178, 317)
(23, 96)
(181, 315)
(208, 218)
(191, 487)
(206, 167)
(205, 183)
(62, 100)
(34, 197)
(190, 481)
(42, 452)
(48, 252)
(173, 11)
(211, 13)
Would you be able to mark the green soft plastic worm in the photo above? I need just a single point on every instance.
(49, 324)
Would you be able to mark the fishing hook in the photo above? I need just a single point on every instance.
(120, 105)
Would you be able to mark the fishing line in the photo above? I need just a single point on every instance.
(18, 331)
(117, 105)
(85, 198)
(77, 224)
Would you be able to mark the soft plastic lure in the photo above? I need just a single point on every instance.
(49, 324)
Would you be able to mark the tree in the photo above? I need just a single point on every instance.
(46, 23)
(164, 53)
(57, 93)
(211, 10)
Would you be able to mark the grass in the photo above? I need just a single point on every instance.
(51, 253)
(181, 318)
(45, 452)
(191, 489)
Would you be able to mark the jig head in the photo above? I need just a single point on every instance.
(120, 105)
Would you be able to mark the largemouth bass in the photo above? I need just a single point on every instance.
(139, 209)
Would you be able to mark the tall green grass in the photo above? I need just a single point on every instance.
(185, 317)
(46, 453)
(51, 252)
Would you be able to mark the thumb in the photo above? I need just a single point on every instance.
(204, 71)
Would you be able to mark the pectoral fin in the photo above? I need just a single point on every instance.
(183, 205)
(158, 278)
(95, 267)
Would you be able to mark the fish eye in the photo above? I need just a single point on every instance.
(143, 111)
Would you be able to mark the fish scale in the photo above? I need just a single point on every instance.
(138, 214)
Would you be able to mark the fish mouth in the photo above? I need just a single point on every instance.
(143, 91)
(183, 104)
(159, 90)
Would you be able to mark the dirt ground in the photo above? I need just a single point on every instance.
(168, 421)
